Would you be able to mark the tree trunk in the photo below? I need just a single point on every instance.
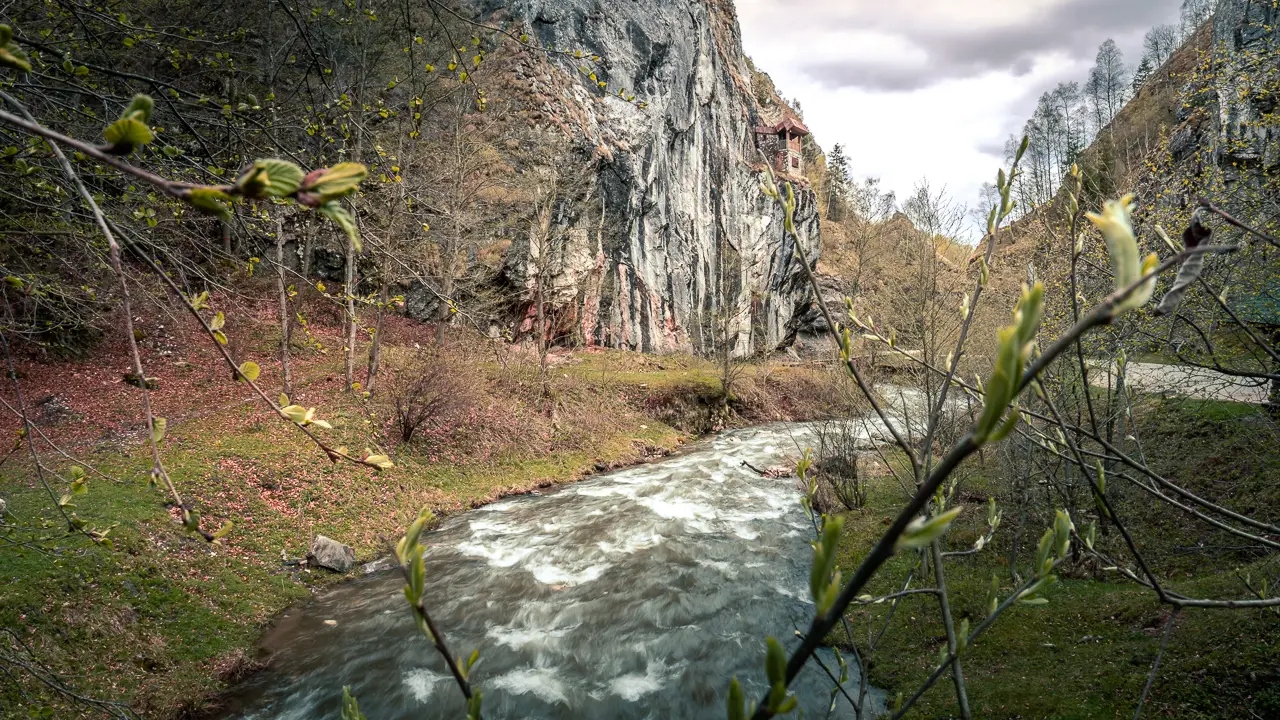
(286, 372)
(375, 347)
(1273, 402)
(350, 291)
(308, 247)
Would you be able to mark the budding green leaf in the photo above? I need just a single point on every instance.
(1115, 222)
(735, 704)
(775, 661)
(126, 134)
(1028, 313)
(1044, 553)
(350, 708)
(212, 201)
(1022, 149)
(382, 462)
(338, 181)
(1062, 527)
(11, 54)
(158, 426)
(140, 108)
(201, 301)
(339, 214)
(296, 413)
(922, 531)
(249, 371)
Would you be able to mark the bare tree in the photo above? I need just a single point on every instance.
(1194, 13)
(1108, 83)
(1160, 43)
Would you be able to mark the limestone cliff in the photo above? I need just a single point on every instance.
(676, 200)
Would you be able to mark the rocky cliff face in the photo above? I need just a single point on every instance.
(1247, 41)
(676, 201)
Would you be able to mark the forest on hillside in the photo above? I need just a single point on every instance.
(373, 359)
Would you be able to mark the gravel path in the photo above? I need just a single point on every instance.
(1184, 381)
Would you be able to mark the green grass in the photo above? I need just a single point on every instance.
(1086, 654)
(165, 620)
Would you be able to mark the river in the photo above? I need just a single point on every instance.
(634, 594)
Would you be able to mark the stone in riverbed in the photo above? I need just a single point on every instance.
(380, 565)
(331, 554)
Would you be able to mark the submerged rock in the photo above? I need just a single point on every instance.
(382, 564)
(331, 554)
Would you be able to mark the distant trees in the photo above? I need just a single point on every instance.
(1142, 74)
(838, 182)
(1067, 118)
(1059, 132)
(870, 203)
(1108, 85)
(1160, 43)
(1194, 13)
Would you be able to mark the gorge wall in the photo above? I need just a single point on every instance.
(677, 198)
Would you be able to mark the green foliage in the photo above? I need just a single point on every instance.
(824, 579)
(779, 702)
(11, 55)
(343, 217)
(1115, 222)
(736, 702)
(1017, 342)
(350, 708)
(922, 531)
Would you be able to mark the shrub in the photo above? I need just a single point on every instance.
(432, 386)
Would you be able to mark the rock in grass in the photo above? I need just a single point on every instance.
(331, 554)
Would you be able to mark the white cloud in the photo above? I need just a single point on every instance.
(916, 88)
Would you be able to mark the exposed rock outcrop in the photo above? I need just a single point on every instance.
(677, 197)
(331, 554)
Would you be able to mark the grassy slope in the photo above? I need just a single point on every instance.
(1087, 654)
(166, 619)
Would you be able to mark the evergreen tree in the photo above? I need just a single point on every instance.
(1141, 75)
(837, 191)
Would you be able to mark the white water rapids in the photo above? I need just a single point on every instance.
(634, 594)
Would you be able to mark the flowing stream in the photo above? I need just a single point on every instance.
(634, 594)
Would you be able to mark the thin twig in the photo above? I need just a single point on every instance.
(1155, 667)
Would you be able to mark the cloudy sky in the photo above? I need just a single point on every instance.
(932, 88)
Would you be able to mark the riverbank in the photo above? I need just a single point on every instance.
(164, 620)
(1088, 653)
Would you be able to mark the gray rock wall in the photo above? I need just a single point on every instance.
(675, 184)
(1247, 49)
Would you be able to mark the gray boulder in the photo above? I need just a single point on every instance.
(331, 554)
